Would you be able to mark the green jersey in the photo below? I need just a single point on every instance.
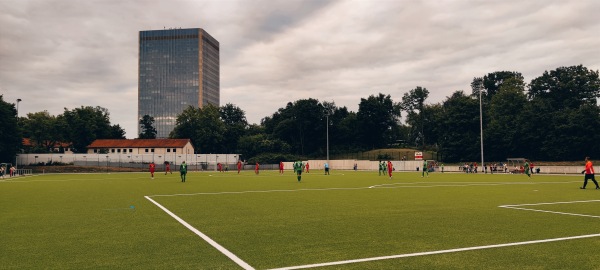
(298, 166)
(183, 168)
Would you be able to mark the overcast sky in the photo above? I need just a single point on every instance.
(57, 54)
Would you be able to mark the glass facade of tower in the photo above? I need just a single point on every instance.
(177, 68)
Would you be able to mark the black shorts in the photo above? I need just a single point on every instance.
(589, 176)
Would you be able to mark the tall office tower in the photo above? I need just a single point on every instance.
(177, 68)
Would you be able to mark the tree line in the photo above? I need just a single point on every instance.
(554, 117)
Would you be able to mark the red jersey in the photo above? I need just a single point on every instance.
(389, 166)
(152, 166)
(589, 168)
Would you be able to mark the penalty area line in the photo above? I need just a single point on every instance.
(438, 252)
(216, 245)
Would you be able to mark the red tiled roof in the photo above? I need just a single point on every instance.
(139, 143)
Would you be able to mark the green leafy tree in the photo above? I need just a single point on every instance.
(10, 136)
(203, 126)
(299, 125)
(147, 125)
(460, 142)
(491, 83)
(413, 103)
(564, 109)
(567, 87)
(254, 145)
(43, 130)
(342, 129)
(377, 119)
(236, 124)
(116, 132)
(503, 136)
(86, 124)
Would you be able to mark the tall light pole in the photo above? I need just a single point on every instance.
(327, 117)
(18, 100)
(17, 156)
(481, 125)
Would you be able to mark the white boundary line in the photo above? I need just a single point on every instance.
(216, 245)
(245, 265)
(437, 252)
(516, 206)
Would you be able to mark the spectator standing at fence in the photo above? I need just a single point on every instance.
(589, 173)
(183, 171)
(152, 167)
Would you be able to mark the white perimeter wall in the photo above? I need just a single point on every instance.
(102, 159)
(195, 159)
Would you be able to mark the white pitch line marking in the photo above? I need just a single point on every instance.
(437, 252)
(516, 206)
(458, 184)
(216, 245)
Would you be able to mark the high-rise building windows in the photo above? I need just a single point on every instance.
(177, 68)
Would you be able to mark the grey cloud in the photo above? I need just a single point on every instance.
(67, 53)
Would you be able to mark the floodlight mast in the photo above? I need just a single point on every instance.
(481, 124)
(327, 116)
(17, 155)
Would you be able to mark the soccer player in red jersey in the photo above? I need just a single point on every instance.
(168, 168)
(239, 166)
(280, 167)
(390, 168)
(256, 168)
(152, 166)
(306, 166)
(589, 173)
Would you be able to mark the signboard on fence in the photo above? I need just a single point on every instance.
(418, 155)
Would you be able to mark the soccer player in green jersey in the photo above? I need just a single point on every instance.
(526, 167)
(183, 171)
(425, 170)
(381, 167)
(298, 167)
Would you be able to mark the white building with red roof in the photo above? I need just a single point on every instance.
(141, 146)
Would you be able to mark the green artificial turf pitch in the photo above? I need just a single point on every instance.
(105, 221)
